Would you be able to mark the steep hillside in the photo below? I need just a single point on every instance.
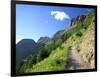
(81, 53)
(87, 46)
(69, 49)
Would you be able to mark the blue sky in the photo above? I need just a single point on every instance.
(33, 22)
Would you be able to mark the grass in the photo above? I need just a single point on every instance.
(58, 58)
(56, 61)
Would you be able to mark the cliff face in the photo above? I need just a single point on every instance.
(80, 18)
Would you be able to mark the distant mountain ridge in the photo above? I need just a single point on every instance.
(43, 40)
(24, 48)
(57, 34)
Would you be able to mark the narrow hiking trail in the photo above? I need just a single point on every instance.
(75, 60)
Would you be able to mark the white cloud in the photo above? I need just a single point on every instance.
(59, 15)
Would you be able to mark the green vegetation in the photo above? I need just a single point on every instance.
(56, 61)
(53, 55)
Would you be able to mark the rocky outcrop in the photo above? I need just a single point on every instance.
(77, 19)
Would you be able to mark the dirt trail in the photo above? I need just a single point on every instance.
(75, 60)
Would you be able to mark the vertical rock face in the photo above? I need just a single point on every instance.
(24, 48)
(78, 19)
(73, 21)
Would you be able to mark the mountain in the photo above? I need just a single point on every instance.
(68, 49)
(24, 48)
(78, 19)
(58, 34)
(43, 40)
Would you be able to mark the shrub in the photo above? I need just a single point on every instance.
(58, 62)
(79, 34)
(61, 47)
(43, 53)
(58, 43)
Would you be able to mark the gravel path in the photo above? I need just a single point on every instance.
(75, 60)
